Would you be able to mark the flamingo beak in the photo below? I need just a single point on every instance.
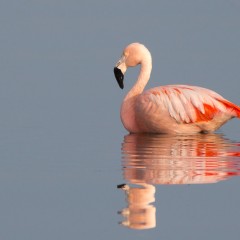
(119, 70)
(119, 77)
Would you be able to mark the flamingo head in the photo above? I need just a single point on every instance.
(132, 56)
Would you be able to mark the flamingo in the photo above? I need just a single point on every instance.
(177, 109)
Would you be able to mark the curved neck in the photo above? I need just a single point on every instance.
(143, 77)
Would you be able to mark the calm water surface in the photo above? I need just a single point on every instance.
(54, 185)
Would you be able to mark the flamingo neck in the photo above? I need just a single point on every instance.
(143, 78)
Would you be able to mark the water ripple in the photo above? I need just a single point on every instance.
(167, 159)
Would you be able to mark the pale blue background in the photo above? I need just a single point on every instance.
(60, 132)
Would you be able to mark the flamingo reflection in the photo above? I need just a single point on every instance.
(165, 159)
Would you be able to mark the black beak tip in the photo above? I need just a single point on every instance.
(121, 86)
(119, 77)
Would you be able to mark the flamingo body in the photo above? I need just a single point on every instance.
(168, 109)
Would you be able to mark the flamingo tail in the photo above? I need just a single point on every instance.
(232, 107)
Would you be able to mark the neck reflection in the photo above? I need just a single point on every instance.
(165, 159)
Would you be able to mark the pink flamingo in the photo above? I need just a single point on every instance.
(168, 109)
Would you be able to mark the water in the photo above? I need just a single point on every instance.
(152, 160)
(68, 169)
(57, 184)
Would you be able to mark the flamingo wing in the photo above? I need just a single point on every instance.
(189, 104)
